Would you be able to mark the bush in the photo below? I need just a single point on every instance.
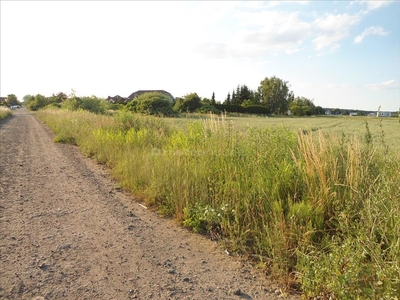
(152, 103)
(206, 108)
(188, 103)
(5, 112)
(93, 104)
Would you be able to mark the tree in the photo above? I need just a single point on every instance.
(302, 106)
(12, 100)
(213, 99)
(275, 94)
(152, 103)
(58, 98)
(233, 98)
(35, 102)
(189, 103)
(319, 110)
(228, 99)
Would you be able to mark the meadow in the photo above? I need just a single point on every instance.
(313, 201)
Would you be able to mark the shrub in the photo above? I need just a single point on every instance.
(152, 103)
(5, 112)
(188, 103)
(207, 108)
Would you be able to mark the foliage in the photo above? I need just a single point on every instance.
(189, 103)
(275, 94)
(12, 100)
(246, 108)
(207, 108)
(61, 100)
(36, 102)
(152, 103)
(319, 208)
(302, 106)
(5, 112)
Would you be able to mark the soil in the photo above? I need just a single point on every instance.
(68, 232)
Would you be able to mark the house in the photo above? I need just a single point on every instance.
(328, 112)
(117, 99)
(353, 114)
(384, 114)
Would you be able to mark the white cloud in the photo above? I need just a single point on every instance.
(372, 5)
(386, 85)
(294, 50)
(370, 31)
(272, 30)
(333, 28)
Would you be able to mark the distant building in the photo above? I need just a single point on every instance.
(383, 114)
(353, 114)
(328, 112)
(117, 99)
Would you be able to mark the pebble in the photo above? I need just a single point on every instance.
(237, 292)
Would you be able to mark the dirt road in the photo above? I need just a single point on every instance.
(66, 232)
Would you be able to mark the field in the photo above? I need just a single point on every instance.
(388, 128)
(314, 201)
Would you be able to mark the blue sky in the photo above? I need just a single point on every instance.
(341, 54)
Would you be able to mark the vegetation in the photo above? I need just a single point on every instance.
(5, 112)
(72, 102)
(188, 103)
(153, 103)
(318, 208)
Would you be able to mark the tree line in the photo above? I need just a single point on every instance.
(273, 96)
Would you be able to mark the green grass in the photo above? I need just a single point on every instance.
(315, 200)
(5, 113)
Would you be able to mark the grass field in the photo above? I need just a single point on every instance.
(314, 200)
(389, 128)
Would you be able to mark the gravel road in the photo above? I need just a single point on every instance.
(67, 232)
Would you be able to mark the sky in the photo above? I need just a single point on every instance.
(340, 54)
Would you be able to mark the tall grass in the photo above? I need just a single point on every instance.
(321, 212)
(5, 112)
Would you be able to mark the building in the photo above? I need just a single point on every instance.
(117, 99)
(384, 114)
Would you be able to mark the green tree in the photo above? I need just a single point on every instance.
(233, 98)
(213, 99)
(35, 102)
(28, 98)
(244, 94)
(12, 100)
(228, 99)
(319, 110)
(189, 103)
(58, 98)
(302, 106)
(152, 103)
(275, 94)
